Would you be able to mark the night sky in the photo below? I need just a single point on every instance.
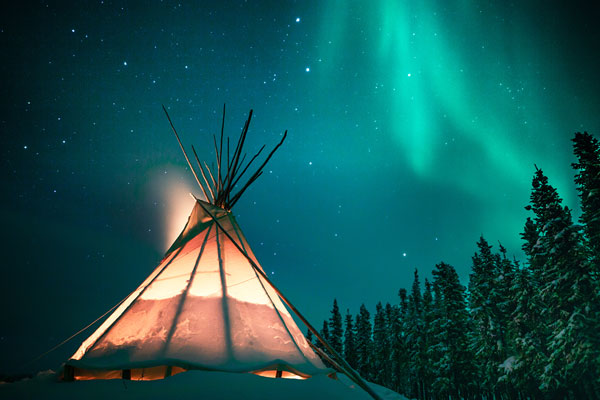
(414, 127)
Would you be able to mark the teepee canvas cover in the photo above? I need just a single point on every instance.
(203, 307)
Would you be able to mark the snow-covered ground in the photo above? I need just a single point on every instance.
(193, 385)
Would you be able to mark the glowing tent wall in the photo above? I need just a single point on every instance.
(203, 307)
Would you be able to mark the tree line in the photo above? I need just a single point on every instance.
(520, 330)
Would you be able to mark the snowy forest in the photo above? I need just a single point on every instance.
(520, 330)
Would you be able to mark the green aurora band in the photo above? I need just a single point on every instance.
(464, 94)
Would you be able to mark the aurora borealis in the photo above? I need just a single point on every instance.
(413, 127)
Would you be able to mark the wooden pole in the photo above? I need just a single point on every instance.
(237, 150)
(203, 177)
(347, 368)
(221, 147)
(235, 198)
(324, 355)
(217, 188)
(237, 153)
(182, 149)
(245, 168)
(218, 164)
(257, 173)
(212, 178)
(227, 154)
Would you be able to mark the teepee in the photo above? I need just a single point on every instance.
(208, 305)
(203, 307)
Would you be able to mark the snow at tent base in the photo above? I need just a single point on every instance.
(193, 385)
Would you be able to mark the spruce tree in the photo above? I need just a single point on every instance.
(336, 330)
(567, 293)
(428, 341)
(522, 368)
(364, 343)
(504, 282)
(506, 307)
(380, 346)
(587, 179)
(415, 339)
(324, 332)
(452, 360)
(487, 342)
(391, 314)
(350, 341)
(437, 351)
(528, 328)
(400, 346)
(533, 349)
(415, 299)
(398, 350)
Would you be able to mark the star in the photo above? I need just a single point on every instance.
(298, 19)
(307, 69)
(403, 254)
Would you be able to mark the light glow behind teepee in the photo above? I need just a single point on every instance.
(175, 195)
